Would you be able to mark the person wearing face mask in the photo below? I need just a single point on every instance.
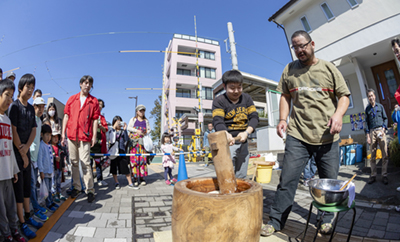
(52, 118)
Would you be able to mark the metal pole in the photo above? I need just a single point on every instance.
(232, 45)
(199, 86)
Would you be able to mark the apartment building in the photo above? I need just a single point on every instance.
(180, 80)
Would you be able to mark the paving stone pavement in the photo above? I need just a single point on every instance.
(134, 215)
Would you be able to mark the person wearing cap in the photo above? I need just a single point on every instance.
(138, 127)
(39, 212)
(11, 75)
(80, 123)
(59, 164)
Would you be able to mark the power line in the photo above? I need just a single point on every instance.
(261, 54)
(48, 70)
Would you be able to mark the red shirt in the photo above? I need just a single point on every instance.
(80, 122)
(397, 95)
(103, 134)
(55, 155)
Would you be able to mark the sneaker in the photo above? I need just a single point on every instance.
(39, 215)
(174, 180)
(55, 205)
(385, 180)
(69, 191)
(131, 186)
(27, 231)
(136, 183)
(136, 186)
(34, 223)
(51, 208)
(62, 198)
(102, 183)
(90, 197)
(167, 182)
(397, 208)
(9, 239)
(17, 236)
(143, 183)
(267, 230)
(326, 229)
(117, 186)
(42, 210)
(305, 182)
(371, 180)
(74, 193)
(56, 198)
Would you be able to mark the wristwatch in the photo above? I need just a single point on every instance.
(248, 134)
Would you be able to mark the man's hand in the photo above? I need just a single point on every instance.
(15, 178)
(281, 128)
(63, 141)
(335, 122)
(231, 140)
(23, 149)
(243, 136)
(42, 176)
(94, 140)
(368, 139)
(25, 159)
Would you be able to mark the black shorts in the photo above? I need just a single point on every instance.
(22, 189)
(122, 164)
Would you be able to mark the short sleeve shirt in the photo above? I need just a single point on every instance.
(314, 91)
(22, 117)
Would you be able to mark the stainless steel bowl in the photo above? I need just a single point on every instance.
(326, 191)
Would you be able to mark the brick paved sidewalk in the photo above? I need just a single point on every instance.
(134, 215)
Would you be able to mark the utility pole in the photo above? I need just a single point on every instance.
(199, 87)
(232, 46)
(134, 98)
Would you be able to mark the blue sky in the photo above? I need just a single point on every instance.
(60, 41)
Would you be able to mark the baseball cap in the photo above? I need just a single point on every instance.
(10, 74)
(38, 101)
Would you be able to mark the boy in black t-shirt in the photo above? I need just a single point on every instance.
(235, 112)
(22, 116)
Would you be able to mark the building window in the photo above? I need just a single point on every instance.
(207, 111)
(305, 23)
(207, 93)
(207, 55)
(183, 72)
(207, 72)
(328, 13)
(183, 93)
(353, 3)
(179, 114)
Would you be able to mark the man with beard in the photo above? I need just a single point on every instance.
(320, 99)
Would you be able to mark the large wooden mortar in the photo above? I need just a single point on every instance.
(200, 216)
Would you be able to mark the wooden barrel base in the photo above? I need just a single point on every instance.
(199, 216)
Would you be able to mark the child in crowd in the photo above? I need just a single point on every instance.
(45, 164)
(118, 138)
(59, 164)
(38, 105)
(22, 116)
(9, 168)
(168, 160)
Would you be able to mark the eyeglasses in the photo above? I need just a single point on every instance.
(300, 46)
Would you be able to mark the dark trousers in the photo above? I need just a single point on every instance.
(297, 154)
(167, 172)
(99, 169)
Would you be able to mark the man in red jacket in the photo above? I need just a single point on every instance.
(80, 114)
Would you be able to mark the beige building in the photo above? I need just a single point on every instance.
(355, 35)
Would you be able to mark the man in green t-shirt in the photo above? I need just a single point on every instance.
(320, 99)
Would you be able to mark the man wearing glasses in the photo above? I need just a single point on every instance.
(320, 99)
(376, 125)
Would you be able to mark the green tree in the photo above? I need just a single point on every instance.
(156, 114)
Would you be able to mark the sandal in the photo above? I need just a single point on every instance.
(326, 228)
(267, 230)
